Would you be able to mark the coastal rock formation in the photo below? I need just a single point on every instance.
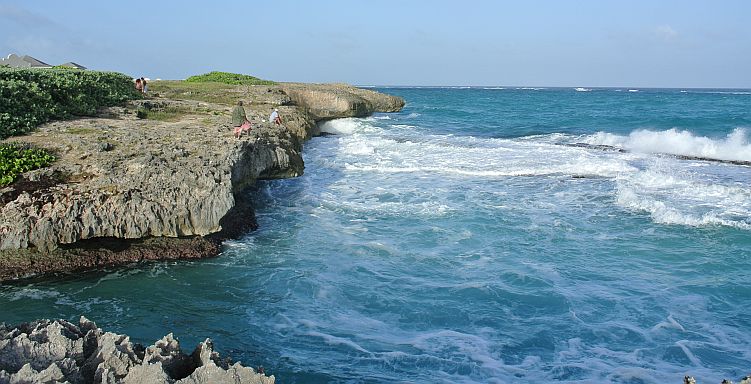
(127, 188)
(47, 351)
(691, 380)
(324, 102)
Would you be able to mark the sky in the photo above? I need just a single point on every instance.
(587, 43)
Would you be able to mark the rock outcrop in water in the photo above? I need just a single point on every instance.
(47, 351)
(127, 189)
(324, 102)
(691, 380)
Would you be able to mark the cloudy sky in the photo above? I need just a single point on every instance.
(640, 43)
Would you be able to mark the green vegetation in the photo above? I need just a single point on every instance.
(16, 158)
(228, 78)
(165, 114)
(29, 97)
(207, 92)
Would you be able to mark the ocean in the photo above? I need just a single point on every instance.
(481, 235)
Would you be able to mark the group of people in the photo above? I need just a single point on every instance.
(141, 85)
(240, 122)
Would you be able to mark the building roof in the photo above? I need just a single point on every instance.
(71, 64)
(26, 61)
(34, 63)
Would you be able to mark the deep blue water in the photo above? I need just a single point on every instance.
(480, 235)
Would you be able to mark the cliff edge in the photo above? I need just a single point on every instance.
(161, 178)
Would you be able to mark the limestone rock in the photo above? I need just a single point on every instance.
(326, 101)
(47, 351)
(126, 189)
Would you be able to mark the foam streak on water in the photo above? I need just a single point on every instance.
(471, 239)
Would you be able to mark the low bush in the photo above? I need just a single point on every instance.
(228, 78)
(17, 158)
(29, 97)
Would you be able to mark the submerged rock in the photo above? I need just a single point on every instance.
(56, 351)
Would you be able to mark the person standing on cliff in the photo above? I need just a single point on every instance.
(144, 85)
(275, 118)
(240, 120)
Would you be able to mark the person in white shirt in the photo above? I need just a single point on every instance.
(275, 118)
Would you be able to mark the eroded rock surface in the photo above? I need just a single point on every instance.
(127, 189)
(56, 351)
(324, 101)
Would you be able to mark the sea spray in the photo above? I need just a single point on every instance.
(735, 146)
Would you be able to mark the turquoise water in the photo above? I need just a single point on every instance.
(480, 235)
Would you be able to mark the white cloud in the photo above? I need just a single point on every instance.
(666, 33)
(25, 18)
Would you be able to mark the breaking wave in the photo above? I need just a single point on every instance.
(734, 147)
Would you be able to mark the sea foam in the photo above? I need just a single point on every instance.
(734, 147)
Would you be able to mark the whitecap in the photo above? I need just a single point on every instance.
(734, 147)
(345, 126)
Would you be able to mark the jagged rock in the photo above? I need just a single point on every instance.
(147, 373)
(236, 374)
(41, 344)
(38, 352)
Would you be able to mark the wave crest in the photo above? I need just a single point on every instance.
(734, 147)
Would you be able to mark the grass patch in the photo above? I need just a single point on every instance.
(81, 130)
(217, 93)
(17, 158)
(228, 78)
(169, 113)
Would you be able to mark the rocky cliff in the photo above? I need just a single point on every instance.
(47, 351)
(170, 185)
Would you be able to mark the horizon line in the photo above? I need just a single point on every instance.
(540, 86)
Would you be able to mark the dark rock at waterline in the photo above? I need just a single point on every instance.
(52, 351)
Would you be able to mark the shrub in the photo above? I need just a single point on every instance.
(29, 97)
(17, 158)
(228, 78)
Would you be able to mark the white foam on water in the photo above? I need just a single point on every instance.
(670, 191)
(461, 346)
(669, 323)
(334, 340)
(477, 158)
(671, 196)
(28, 293)
(582, 89)
(494, 88)
(346, 126)
(723, 92)
(633, 90)
(734, 147)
